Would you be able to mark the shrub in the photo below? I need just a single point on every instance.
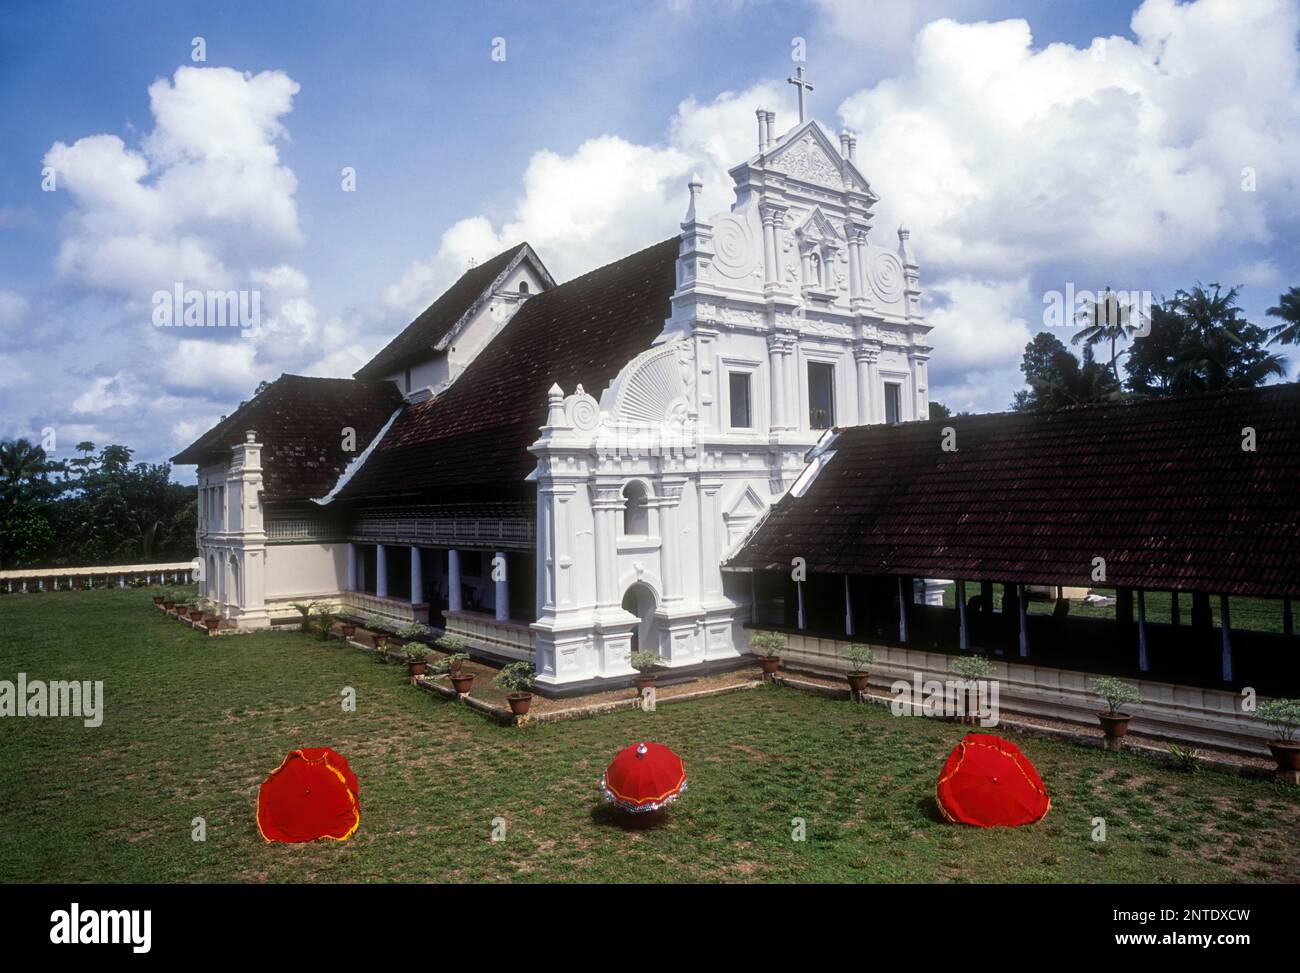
(306, 609)
(1282, 715)
(643, 662)
(414, 632)
(323, 624)
(972, 667)
(1186, 759)
(518, 677)
(858, 656)
(1116, 692)
(415, 652)
(453, 644)
(767, 645)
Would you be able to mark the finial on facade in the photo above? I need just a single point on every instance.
(803, 85)
(694, 186)
(250, 435)
(904, 244)
(853, 147)
(555, 406)
(844, 143)
(761, 114)
(770, 121)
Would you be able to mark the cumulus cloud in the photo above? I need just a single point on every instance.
(13, 309)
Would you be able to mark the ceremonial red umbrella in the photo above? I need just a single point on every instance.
(644, 777)
(989, 783)
(312, 794)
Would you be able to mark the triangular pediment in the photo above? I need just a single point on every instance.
(818, 228)
(746, 507)
(810, 155)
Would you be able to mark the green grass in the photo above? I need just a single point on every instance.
(192, 725)
(1246, 614)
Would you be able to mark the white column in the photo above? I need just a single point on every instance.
(800, 620)
(1024, 629)
(352, 567)
(381, 571)
(670, 542)
(453, 580)
(855, 281)
(1225, 622)
(502, 589)
(606, 502)
(771, 271)
(776, 380)
(710, 571)
(848, 609)
(1142, 630)
(361, 572)
(795, 404)
(417, 577)
(904, 596)
(963, 641)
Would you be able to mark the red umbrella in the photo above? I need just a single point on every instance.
(644, 777)
(989, 783)
(312, 794)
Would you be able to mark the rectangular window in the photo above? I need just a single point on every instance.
(893, 402)
(821, 395)
(739, 398)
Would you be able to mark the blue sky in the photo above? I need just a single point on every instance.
(1121, 168)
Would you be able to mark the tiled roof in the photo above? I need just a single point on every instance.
(478, 430)
(418, 338)
(1161, 489)
(300, 423)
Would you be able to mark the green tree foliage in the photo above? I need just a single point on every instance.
(1287, 310)
(1057, 379)
(95, 508)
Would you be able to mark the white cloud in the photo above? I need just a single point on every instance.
(13, 309)
(106, 393)
(977, 324)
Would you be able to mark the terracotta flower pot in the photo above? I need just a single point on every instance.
(1286, 753)
(857, 681)
(168, 605)
(212, 623)
(416, 667)
(462, 681)
(1114, 726)
(157, 600)
(348, 631)
(196, 614)
(769, 663)
(643, 681)
(519, 703)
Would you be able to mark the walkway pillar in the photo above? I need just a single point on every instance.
(1142, 630)
(1226, 624)
(453, 581)
(848, 609)
(904, 596)
(1024, 626)
(352, 567)
(417, 577)
(963, 634)
(502, 579)
(381, 571)
(799, 618)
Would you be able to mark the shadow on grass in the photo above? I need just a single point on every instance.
(609, 816)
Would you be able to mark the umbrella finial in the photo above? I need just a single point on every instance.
(641, 750)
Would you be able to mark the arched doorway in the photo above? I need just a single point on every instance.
(639, 600)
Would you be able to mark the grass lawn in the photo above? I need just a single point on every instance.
(192, 725)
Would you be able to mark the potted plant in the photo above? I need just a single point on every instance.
(168, 599)
(767, 646)
(157, 596)
(859, 657)
(348, 628)
(971, 668)
(455, 646)
(414, 632)
(644, 663)
(1116, 692)
(213, 622)
(1283, 715)
(451, 664)
(196, 609)
(462, 682)
(417, 660)
(517, 679)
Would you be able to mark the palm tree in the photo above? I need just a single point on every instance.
(1106, 319)
(20, 462)
(1288, 310)
(1222, 350)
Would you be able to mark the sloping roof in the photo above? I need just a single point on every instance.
(1161, 489)
(479, 429)
(418, 338)
(300, 423)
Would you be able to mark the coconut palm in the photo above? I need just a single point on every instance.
(20, 463)
(1222, 350)
(1287, 310)
(1105, 319)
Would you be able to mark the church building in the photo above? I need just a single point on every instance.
(559, 471)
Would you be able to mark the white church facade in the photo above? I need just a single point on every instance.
(558, 471)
